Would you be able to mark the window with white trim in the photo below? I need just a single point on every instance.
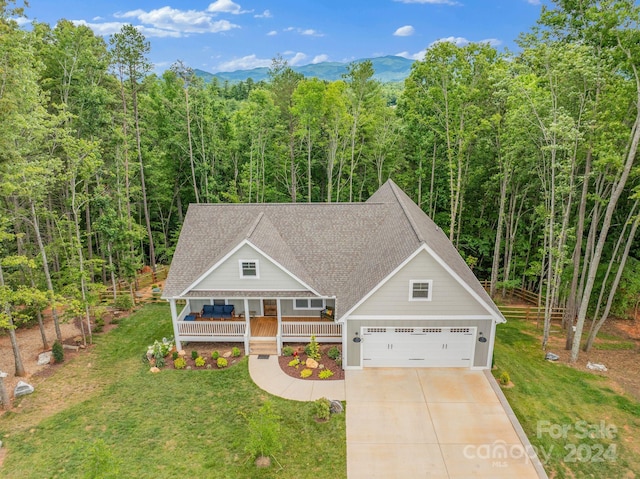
(249, 269)
(420, 289)
(309, 303)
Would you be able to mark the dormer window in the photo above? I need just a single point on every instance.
(420, 289)
(249, 269)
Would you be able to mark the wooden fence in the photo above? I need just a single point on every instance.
(527, 312)
(141, 281)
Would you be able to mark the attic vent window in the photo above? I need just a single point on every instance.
(249, 269)
(420, 289)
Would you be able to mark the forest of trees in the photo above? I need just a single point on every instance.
(526, 160)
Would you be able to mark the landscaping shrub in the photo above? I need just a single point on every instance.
(235, 352)
(221, 362)
(123, 302)
(325, 374)
(215, 355)
(313, 349)
(306, 372)
(294, 362)
(58, 351)
(194, 354)
(200, 361)
(98, 325)
(322, 408)
(180, 363)
(334, 353)
(160, 362)
(174, 355)
(505, 378)
(264, 432)
(287, 351)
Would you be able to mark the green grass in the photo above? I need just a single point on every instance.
(172, 424)
(548, 397)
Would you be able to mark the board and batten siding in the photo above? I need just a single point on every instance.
(227, 275)
(448, 297)
(481, 349)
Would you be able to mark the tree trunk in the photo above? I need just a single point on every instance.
(595, 327)
(17, 357)
(606, 223)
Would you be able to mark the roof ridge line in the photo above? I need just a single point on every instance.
(255, 224)
(413, 224)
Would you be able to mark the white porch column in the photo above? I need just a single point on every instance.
(279, 331)
(174, 321)
(247, 334)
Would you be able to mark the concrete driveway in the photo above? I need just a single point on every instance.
(432, 423)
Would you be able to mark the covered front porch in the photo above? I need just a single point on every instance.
(256, 322)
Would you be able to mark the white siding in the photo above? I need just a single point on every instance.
(227, 275)
(448, 297)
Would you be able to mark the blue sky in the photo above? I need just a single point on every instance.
(228, 35)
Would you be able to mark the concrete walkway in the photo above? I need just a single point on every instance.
(268, 375)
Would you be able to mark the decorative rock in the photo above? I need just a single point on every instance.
(311, 363)
(551, 357)
(22, 389)
(154, 370)
(263, 461)
(70, 346)
(44, 358)
(336, 407)
(596, 366)
(227, 354)
(182, 353)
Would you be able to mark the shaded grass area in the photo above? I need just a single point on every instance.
(172, 424)
(578, 424)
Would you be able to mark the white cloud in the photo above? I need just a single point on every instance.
(533, 2)
(265, 14)
(102, 29)
(412, 56)
(320, 58)
(21, 21)
(272, 33)
(461, 41)
(245, 63)
(304, 31)
(225, 6)
(431, 2)
(167, 21)
(405, 31)
(296, 59)
(183, 21)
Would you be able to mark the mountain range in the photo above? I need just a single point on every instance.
(387, 69)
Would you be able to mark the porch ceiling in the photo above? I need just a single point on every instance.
(249, 294)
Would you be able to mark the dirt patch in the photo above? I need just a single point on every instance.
(622, 365)
(326, 361)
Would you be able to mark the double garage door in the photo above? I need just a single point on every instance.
(417, 347)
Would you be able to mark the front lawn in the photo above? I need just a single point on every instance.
(579, 425)
(131, 423)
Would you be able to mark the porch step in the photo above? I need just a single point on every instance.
(263, 347)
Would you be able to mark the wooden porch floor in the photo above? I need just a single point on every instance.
(267, 326)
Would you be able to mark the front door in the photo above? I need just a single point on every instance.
(270, 307)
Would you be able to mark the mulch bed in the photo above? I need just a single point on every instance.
(205, 350)
(326, 361)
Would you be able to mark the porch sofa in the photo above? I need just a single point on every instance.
(217, 311)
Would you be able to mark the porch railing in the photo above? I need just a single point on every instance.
(302, 331)
(211, 329)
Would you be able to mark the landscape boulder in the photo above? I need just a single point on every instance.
(22, 389)
(311, 363)
(44, 358)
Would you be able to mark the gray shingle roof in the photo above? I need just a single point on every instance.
(338, 249)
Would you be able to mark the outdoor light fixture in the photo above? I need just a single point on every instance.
(481, 337)
(357, 339)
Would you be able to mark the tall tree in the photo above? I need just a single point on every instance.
(129, 50)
